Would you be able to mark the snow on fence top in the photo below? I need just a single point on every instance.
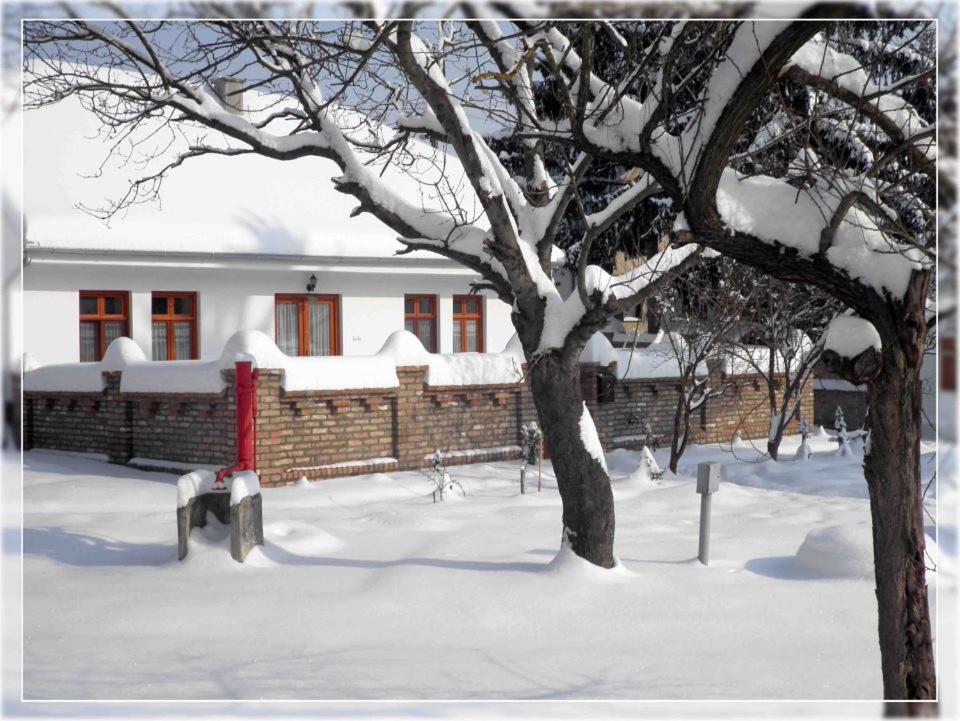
(748, 359)
(330, 373)
(455, 369)
(402, 348)
(658, 360)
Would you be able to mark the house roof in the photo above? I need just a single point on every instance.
(213, 204)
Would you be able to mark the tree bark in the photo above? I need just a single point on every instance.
(681, 432)
(588, 516)
(773, 444)
(892, 471)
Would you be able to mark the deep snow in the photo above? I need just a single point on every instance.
(366, 589)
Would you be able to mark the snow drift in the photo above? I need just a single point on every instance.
(838, 551)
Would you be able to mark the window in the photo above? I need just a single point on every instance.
(467, 323)
(420, 318)
(308, 324)
(174, 326)
(103, 318)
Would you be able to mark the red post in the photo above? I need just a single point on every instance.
(246, 420)
(246, 400)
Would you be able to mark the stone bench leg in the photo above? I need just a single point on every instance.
(245, 520)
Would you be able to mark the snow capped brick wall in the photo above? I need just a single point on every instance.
(620, 408)
(322, 432)
(183, 427)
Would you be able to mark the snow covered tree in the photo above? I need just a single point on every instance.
(360, 94)
(806, 149)
(782, 343)
(701, 312)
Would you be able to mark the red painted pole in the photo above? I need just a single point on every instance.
(246, 401)
(246, 423)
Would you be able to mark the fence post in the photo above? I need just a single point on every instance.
(246, 399)
(708, 482)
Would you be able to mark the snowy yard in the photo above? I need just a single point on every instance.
(366, 589)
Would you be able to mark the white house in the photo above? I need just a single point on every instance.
(233, 243)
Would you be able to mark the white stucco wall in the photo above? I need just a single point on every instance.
(239, 298)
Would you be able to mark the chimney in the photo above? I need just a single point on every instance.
(230, 93)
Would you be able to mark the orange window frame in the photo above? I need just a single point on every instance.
(430, 316)
(463, 317)
(303, 319)
(101, 315)
(169, 318)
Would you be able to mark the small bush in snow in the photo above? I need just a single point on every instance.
(531, 441)
(839, 422)
(440, 478)
(653, 468)
(804, 452)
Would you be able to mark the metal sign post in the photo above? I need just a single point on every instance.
(708, 483)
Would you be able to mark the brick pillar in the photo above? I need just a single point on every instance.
(588, 382)
(270, 457)
(410, 416)
(118, 415)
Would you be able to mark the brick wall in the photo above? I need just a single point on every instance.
(621, 408)
(185, 427)
(321, 433)
(326, 433)
(179, 427)
(80, 422)
(299, 433)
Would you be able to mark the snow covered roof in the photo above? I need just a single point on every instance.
(212, 204)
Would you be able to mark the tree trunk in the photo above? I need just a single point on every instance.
(773, 444)
(681, 432)
(892, 471)
(588, 517)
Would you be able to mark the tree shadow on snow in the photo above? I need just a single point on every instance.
(80, 549)
(283, 557)
(51, 466)
(784, 568)
(677, 562)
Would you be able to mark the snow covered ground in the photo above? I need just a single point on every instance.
(365, 589)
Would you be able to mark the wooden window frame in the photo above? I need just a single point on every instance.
(432, 317)
(100, 316)
(303, 322)
(462, 319)
(169, 318)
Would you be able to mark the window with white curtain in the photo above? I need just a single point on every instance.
(174, 329)
(308, 324)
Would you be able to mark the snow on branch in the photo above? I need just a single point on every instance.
(844, 77)
(849, 336)
(750, 41)
(587, 308)
(774, 211)
(852, 347)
